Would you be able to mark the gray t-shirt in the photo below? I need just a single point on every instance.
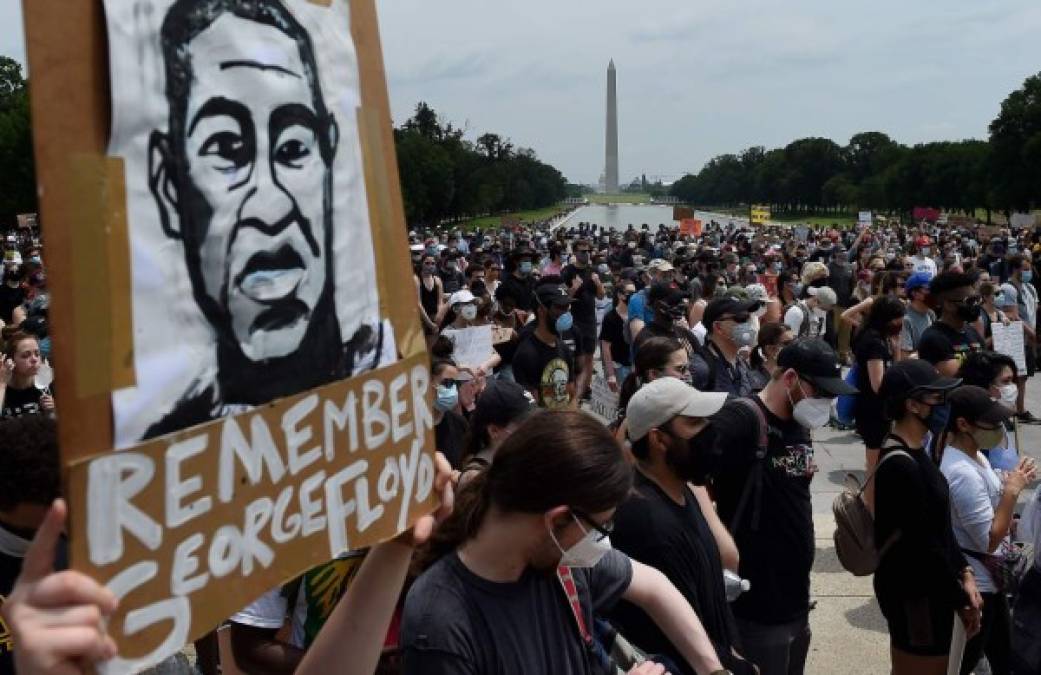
(975, 493)
(915, 323)
(1025, 299)
(457, 623)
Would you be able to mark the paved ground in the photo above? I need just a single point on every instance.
(849, 633)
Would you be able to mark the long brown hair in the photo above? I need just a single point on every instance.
(553, 458)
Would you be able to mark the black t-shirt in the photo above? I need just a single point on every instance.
(925, 560)
(457, 623)
(521, 291)
(13, 544)
(544, 370)
(9, 299)
(940, 342)
(777, 552)
(452, 281)
(613, 331)
(870, 346)
(450, 437)
(652, 528)
(18, 402)
(583, 307)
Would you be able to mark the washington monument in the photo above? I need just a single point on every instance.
(611, 166)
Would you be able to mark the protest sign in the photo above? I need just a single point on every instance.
(759, 214)
(26, 221)
(239, 331)
(920, 213)
(1021, 220)
(864, 218)
(769, 281)
(603, 401)
(690, 227)
(1008, 340)
(473, 346)
(681, 213)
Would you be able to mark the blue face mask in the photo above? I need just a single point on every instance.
(564, 323)
(938, 417)
(447, 397)
(1027, 276)
(525, 268)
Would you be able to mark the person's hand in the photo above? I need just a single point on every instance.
(47, 402)
(595, 278)
(612, 383)
(6, 369)
(1024, 474)
(576, 284)
(424, 528)
(57, 619)
(648, 668)
(972, 615)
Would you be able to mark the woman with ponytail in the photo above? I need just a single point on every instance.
(493, 599)
(656, 357)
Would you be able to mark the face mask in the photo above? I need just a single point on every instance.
(701, 452)
(525, 268)
(468, 312)
(797, 289)
(819, 283)
(447, 398)
(452, 267)
(811, 413)
(1009, 394)
(743, 334)
(582, 257)
(429, 269)
(936, 420)
(564, 323)
(603, 269)
(1027, 276)
(988, 438)
(968, 312)
(925, 251)
(587, 552)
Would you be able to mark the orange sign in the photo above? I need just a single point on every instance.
(690, 227)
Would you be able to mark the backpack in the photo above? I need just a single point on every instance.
(855, 526)
(804, 325)
(754, 482)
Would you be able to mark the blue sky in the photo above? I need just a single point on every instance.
(697, 78)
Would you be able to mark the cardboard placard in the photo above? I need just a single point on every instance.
(690, 227)
(226, 485)
(1010, 341)
(603, 401)
(26, 221)
(472, 346)
(759, 215)
(682, 213)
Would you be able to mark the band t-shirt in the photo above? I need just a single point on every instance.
(777, 551)
(18, 402)
(583, 307)
(941, 343)
(545, 370)
(457, 623)
(613, 331)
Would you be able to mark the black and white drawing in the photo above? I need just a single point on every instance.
(253, 264)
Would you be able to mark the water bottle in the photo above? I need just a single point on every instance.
(735, 585)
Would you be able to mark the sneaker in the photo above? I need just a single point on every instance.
(1026, 417)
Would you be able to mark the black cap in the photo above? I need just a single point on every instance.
(500, 403)
(727, 304)
(975, 404)
(817, 363)
(904, 379)
(521, 252)
(667, 293)
(552, 294)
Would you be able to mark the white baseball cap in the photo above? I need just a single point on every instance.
(658, 402)
(461, 297)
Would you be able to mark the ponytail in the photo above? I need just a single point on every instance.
(471, 506)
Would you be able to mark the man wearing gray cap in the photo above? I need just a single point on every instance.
(670, 527)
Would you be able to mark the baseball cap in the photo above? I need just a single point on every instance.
(660, 265)
(724, 305)
(552, 294)
(461, 297)
(659, 401)
(500, 403)
(662, 292)
(975, 404)
(816, 362)
(825, 295)
(906, 378)
(917, 280)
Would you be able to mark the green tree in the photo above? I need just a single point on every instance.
(17, 172)
(1015, 138)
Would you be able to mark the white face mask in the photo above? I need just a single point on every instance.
(468, 312)
(587, 552)
(1009, 394)
(812, 413)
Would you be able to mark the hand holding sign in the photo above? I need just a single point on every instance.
(57, 619)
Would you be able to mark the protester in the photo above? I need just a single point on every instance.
(431, 295)
(668, 526)
(923, 579)
(918, 316)
(500, 408)
(614, 351)
(543, 364)
(773, 337)
(641, 311)
(585, 288)
(947, 342)
(1021, 305)
(809, 316)
(18, 391)
(996, 373)
(990, 312)
(981, 511)
(491, 600)
(718, 366)
(766, 499)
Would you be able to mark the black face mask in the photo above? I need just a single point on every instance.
(968, 312)
(819, 283)
(699, 463)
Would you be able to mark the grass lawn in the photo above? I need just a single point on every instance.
(624, 198)
(524, 216)
(819, 221)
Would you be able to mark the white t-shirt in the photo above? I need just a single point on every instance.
(1030, 525)
(975, 493)
(818, 319)
(926, 264)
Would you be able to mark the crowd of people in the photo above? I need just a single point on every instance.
(677, 534)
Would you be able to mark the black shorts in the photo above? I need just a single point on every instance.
(920, 626)
(585, 338)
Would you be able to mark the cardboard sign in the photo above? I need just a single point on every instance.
(769, 281)
(864, 218)
(928, 214)
(1023, 220)
(26, 221)
(603, 401)
(682, 213)
(473, 346)
(1009, 340)
(690, 227)
(228, 265)
(759, 215)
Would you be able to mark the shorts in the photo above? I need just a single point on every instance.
(919, 626)
(585, 338)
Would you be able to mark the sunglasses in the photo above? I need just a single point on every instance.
(736, 318)
(604, 530)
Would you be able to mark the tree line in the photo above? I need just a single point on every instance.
(875, 172)
(17, 175)
(444, 176)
